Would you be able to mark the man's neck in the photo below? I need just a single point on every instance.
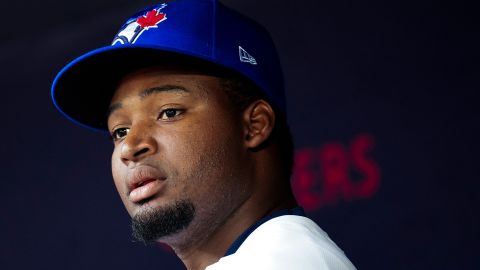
(200, 254)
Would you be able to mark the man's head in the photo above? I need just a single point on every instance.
(198, 122)
(188, 147)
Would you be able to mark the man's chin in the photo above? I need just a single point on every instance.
(150, 224)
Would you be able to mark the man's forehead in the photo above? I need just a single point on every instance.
(148, 82)
(158, 79)
(178, 89)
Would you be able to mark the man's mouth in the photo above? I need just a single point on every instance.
(145, 190)
(143, 183)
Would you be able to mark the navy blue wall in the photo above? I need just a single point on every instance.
(383, 106)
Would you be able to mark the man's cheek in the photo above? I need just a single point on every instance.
(117, 176)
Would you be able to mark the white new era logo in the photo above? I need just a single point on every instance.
(246, 57)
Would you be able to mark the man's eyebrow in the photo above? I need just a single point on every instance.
(113, 108)
(150, 91)
(164, 88)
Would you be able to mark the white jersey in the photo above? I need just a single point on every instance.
(287, 242)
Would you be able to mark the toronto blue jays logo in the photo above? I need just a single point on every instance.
(134, 28)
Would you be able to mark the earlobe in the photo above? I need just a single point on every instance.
(259, 120)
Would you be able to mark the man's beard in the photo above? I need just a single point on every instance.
(153, 224)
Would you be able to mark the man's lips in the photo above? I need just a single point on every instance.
(149, 188)
(143, 182)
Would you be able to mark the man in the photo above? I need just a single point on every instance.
(192, 95)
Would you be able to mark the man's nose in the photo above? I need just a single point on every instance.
(138, 144)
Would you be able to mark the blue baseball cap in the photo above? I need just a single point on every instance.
(204, 30)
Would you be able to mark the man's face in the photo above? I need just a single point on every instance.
(179, 159)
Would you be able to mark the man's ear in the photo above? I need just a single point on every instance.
(258, 122)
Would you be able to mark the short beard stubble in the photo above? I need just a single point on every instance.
(152, 224)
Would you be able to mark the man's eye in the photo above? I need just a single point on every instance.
(119, 133)
(168, 114)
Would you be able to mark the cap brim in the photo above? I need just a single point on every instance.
(82, 90)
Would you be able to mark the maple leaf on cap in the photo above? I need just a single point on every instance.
(151, 19)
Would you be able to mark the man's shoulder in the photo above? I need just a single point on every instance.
(286, 242)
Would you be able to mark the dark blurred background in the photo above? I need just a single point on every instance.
(382, 101)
